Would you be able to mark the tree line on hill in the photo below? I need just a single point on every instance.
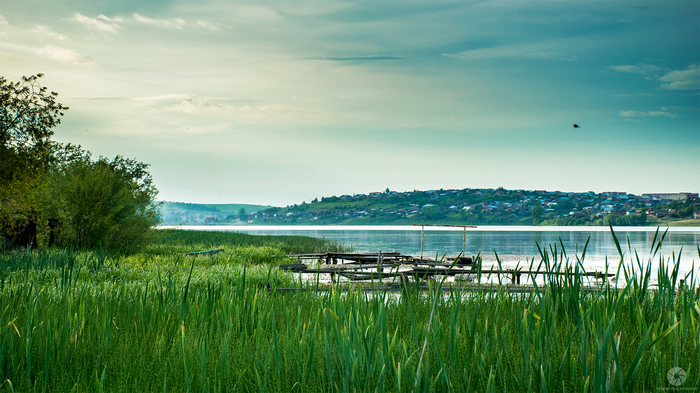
(481, 207)
(58, 194)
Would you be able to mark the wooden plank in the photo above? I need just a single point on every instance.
(423, 287)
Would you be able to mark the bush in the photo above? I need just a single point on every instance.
(50, 191)
(103, 203)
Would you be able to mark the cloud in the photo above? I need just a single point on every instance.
(4, 26)
(356, 58)
(533, 50)
(663, 113)
(205, 105)
(46, 31)
(551, 55)
(688, 79)
(176, 23)
(640, 68)
(206, 25)
(105, 24)
(99, 23)
(551, 19)
(64, 55)
(186, 103)
(163, 97)
(189, 104)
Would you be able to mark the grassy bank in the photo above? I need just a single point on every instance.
(159, 321)
(692, 222)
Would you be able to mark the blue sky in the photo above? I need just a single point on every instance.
(280, 102)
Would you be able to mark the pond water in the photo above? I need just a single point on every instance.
(513, 244)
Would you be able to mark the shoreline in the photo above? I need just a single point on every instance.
(417, 227)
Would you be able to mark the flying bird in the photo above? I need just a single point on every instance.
(577, 126)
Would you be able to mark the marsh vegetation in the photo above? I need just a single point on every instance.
(158, 320)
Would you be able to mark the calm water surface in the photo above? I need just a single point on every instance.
(505, 240)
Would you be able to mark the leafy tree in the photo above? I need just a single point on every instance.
(28, 112)
(686, 212)
(537, 213)
(101, 203)
(242, 214)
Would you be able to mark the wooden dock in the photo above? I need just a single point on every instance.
(393, 265)
(468, 288)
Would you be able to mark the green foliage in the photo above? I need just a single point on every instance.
(629, 220)
(28, 112)
(88, 321)
(105, 203)
(537, 214)
(171, 241)
(476, 207)
(102, 202)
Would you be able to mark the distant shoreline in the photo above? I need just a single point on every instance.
(503, 228)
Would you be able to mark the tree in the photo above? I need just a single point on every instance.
(537, 213)
(242, 214)
(101, 203)
(28, 113)
(46, 184)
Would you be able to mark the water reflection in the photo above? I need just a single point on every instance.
(506, 241)
(518, 242)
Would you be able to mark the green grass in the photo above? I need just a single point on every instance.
(157, 321)
(690, 222)
(171, 241)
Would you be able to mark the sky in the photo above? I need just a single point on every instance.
(279, 102)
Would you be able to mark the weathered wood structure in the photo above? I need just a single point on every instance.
(396, 266)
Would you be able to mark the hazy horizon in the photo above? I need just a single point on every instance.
(275, 103)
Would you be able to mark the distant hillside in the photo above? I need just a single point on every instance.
(488, 207)
(175, 213)
(455, 207)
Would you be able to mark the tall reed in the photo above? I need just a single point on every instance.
(87, 321)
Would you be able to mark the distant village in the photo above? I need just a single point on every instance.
(466, 206)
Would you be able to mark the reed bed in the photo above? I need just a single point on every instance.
(88, 321)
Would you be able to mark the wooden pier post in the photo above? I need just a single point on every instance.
(515, 278)
(464, 236)
(421, 241)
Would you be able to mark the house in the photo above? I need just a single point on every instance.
(681, 196)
